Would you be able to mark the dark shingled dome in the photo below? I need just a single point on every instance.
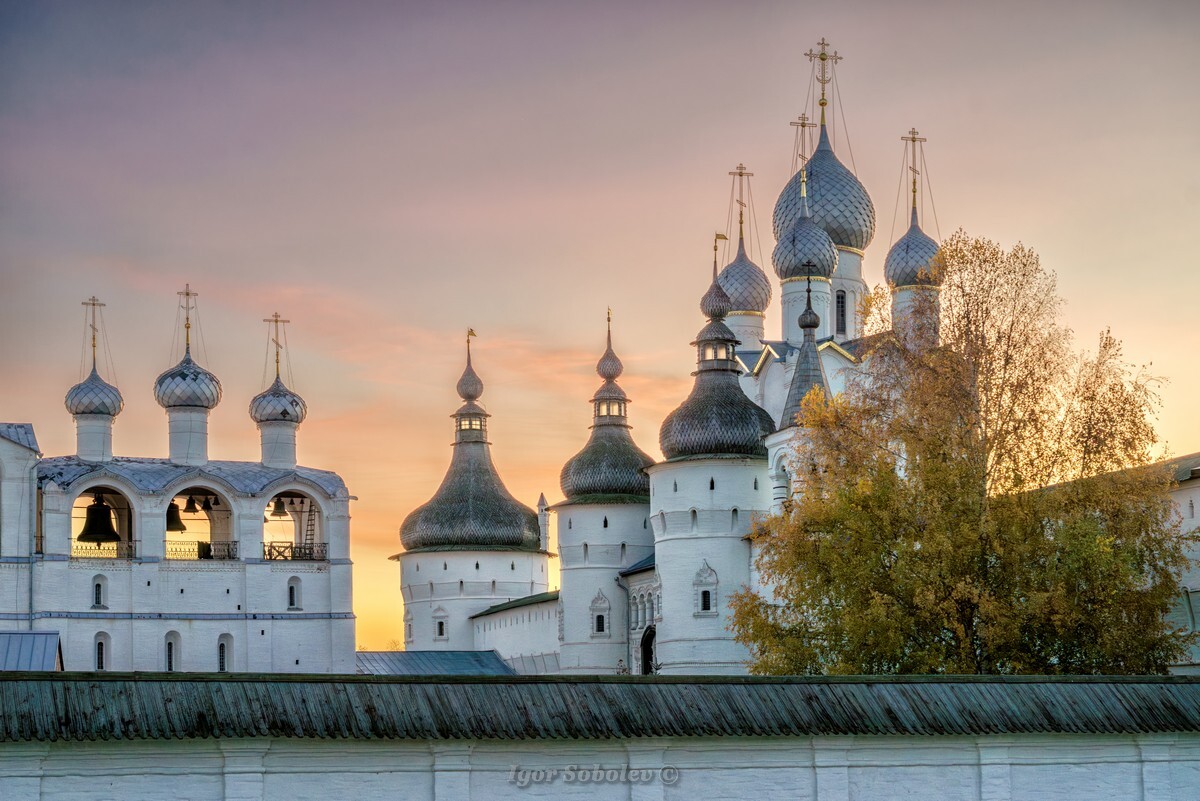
(472, 508)
(611, 464)
(716, 418)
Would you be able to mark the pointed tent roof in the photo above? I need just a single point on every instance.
(809, 371)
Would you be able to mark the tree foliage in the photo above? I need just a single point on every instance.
(985, 505)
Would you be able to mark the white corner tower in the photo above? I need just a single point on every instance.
(603, 528)
(472, 545)
(703, 499)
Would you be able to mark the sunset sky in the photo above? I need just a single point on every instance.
(387, 174)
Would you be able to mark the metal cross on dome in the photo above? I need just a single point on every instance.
(824, 60)
(914, 137)
(740, 175)
(276, 320)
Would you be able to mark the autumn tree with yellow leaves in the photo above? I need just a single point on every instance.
(980, 499)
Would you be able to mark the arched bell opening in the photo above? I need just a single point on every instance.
(102, 525)
(200, 525)
(292, 528)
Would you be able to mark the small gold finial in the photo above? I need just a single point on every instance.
(187, 294)
(275, 319)
(93, 303)
(824, 60)
(913, 138)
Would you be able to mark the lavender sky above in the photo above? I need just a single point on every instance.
(386, 175)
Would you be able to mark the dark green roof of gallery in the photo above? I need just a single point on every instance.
(129, 706)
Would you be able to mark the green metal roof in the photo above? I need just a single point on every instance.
(528, 600)
(128, 706)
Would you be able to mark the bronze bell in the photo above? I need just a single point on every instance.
(207, 505)
(190, 507)
(173, 521)
(278, 510)
(98, 526)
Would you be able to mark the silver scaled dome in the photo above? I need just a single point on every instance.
(187, 384)
(94, 395)
(840, 204)
(472, 509)
(716, 419)
(745, 283)
(804, 249)
(909, 262)
(610, 467)
(277, 403)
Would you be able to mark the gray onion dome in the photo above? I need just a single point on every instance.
(714, 304)
(910, 261)
(840, 203)
(470, 386)
(278, 404)
(610, 467)
(716, 418)
(609, 367)
(745, 283)
(187, 384)
(94, 395)
(805, 249)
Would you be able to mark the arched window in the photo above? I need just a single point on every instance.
(439, 623)
(733, 520)
(99, 592)
(606, 521)
(171, 651)
(695, 520)
(841, 312)
(224, 653)
(585, 553)
(705, 587)
(756, 482)
(599, 609)
(293, 590)
(712, 484)
(1191, 509)
(101, 649)
(675, 486)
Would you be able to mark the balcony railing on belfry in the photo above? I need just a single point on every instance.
(309, 552)
(107, 550)
(202, 550)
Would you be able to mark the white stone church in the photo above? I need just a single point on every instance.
(651, 550)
